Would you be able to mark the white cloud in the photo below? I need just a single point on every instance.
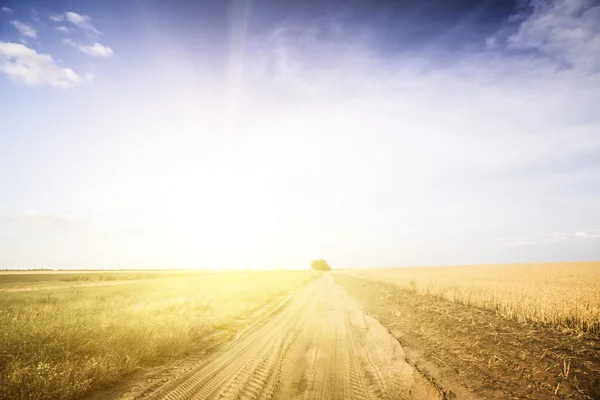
(94, 50)
(80, 21)
(25, 30)
(6, 10)
(26, 65)
(62, 28)
(567, 31)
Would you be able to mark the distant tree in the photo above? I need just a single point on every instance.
(320, 265)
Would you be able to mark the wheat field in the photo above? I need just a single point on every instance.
(62, 335)
(564, 295)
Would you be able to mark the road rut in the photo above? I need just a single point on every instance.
(318, 346)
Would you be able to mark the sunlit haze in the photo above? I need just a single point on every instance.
(267, 134)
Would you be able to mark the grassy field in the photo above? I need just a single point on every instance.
(20, 277)
(563, 295)
(62, 335)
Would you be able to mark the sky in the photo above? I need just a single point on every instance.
(269, 133)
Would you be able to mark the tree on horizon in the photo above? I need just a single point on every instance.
(320, 265)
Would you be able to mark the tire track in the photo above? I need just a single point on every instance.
(357, 379)
(319, 346)
(205, 380)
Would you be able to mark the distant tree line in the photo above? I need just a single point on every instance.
(320, 265)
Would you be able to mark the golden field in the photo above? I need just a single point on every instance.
(64, 334)
(559, 294)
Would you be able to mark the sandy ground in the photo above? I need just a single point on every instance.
(318, 346)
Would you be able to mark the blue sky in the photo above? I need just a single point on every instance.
(260, 134)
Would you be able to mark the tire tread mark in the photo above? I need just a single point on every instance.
(209, 378)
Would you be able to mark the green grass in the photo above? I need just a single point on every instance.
(62, 339)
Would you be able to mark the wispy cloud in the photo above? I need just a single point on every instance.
(83, 22)
(64, 29)
(27, 66)
(25, 30)
(550, 238)
(567, 31)
(55, 218)
(35, 215)
(594, 234)
(94, 50)
(492, 138)
(6, 10)
(57, 17)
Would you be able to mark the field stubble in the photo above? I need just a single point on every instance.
(561, 295)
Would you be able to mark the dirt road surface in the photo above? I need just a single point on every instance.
(318, 346)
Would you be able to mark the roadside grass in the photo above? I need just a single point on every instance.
(562, 295)
(65, 341)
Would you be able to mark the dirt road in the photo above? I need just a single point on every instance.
(318, 346)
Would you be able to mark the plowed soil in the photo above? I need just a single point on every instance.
(476, 354)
